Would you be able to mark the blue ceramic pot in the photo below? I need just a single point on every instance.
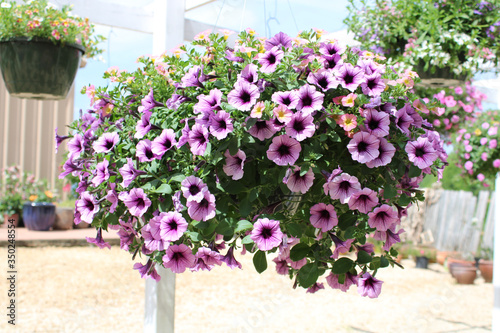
(39, 216)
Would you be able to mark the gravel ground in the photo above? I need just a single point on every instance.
(84, 289)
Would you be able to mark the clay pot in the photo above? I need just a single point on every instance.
(6, 219)
(64, 218)
(451, 260)
(442, 255)
(486, 268)
(463, 273)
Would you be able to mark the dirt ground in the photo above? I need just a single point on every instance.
(84, 289)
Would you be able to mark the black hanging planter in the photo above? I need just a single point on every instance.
(442, 77)
(39, 216)
(38, 68)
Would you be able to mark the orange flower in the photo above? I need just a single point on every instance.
(33, 197)
(49, 194)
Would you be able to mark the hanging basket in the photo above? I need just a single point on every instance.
(442, 77)
(38, 68)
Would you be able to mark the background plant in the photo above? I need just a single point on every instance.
(298, 148)
(39, 19)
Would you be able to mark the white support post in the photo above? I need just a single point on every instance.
(159, 309)
(168, 21)
(496, 259)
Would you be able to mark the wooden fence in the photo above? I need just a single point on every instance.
(452, 220)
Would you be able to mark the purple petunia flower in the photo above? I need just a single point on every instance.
(297, 183)
(323, 79)
(208, 102)
(350, 77)
(129, 173)
(198, 139)
(112, 197)
(281, 265)
(373, 85)
(136, 201)
(101, 173)
(59, 140)
(262, 130)
(369, 286)
(175, 101)
(243, 96)
(143, 126)
(231, 57)
(144, 151)
(301, 126)
(194, 77)
(290, 99)
(332, 62)
(178, 258)
(98, 240)
(229, 259)
(148, 103)
(172, 226)
(363, 200)
(249, 74)
(370, 67)
(279, 40)
(284, 150)
(404, 120)
(147, 270)
(421, 152)
(106, 142)
(87, 206)
(386, 152)
(310, 99)
(389, 237)
(234, 164)
(315, 287)
(333, 281)
(323, 216)
(266, 234)
(340, 246)
(163, 143)
(221, 124)
(192, 188)
(204, 209)
(383, 217)
(206, 259)
(377, 123)
(342, 187)
(270, 59)
(152, 235)
(331, 49)
(364, 147)
(75, 146)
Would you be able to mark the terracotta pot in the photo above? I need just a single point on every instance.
(6, 219)
(442, 255)
(486, 268)
(64, 218)
(451, 260)
(463, 273)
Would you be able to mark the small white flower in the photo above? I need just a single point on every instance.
(5, 5)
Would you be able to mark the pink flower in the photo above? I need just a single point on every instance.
(348, 122)
(496, 163)
(323, 216)
(266, 234)
(349, 100)
(484, 156)
(468, 165)
(480, 177)
(493, 144)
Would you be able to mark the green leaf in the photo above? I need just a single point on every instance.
(299, 251)
(404, 200)
(303, 169)
(178, 177)
(254, 194)
(243, 225)
(247, 240)
(223, 228)
(294, 229)
(347, 220)
(245, 207)
(389, 192)
(260, 261)
(384, 262)
(164, 189)
(363, 257)
(375, 264)
(308, 275)
(195, 237)
(234, 188)
(414, 171)
(342, 265)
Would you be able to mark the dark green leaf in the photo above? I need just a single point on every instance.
(245, 207)
(164, 188)
(363, 257)
(260, 261)
(384, 262)
(178, 177)
(389, 192)
(194, 236)
(414, 171)
(299, 251)
(347, 220)
(308, 275)
(294, 229)
(233, 146)
(342, 265)
(223, 228)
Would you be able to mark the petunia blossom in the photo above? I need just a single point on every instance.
(192, 188)
(87, 206)
(172, 225)
(421, 153)
(106, 142)
(364, 147)
(164, 142)
(136, 201)
(234, 164)
(369, 286)
(284, 150)
(262, 130)
(198, 139)
(221, 125)
(363, 200)
(243, 96)
(386, 152)
(203, 210)
(301, 126)
(266, 234)
(297, 183)
(270, 59)
(178, 258)
(310, 99)
(341, 187)
(383, 217)
(323, 216)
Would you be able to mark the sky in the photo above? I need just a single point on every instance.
(267, 17)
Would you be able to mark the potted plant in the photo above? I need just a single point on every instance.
(423, 255)
(39, 213)
(12, 195)
(486, 264)
(447, 40)
(476, 146)
(292, 148)
(41, 47)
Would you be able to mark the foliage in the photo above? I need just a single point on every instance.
(461, 35)
(296, 147)
(477, 148)
(40, 19)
